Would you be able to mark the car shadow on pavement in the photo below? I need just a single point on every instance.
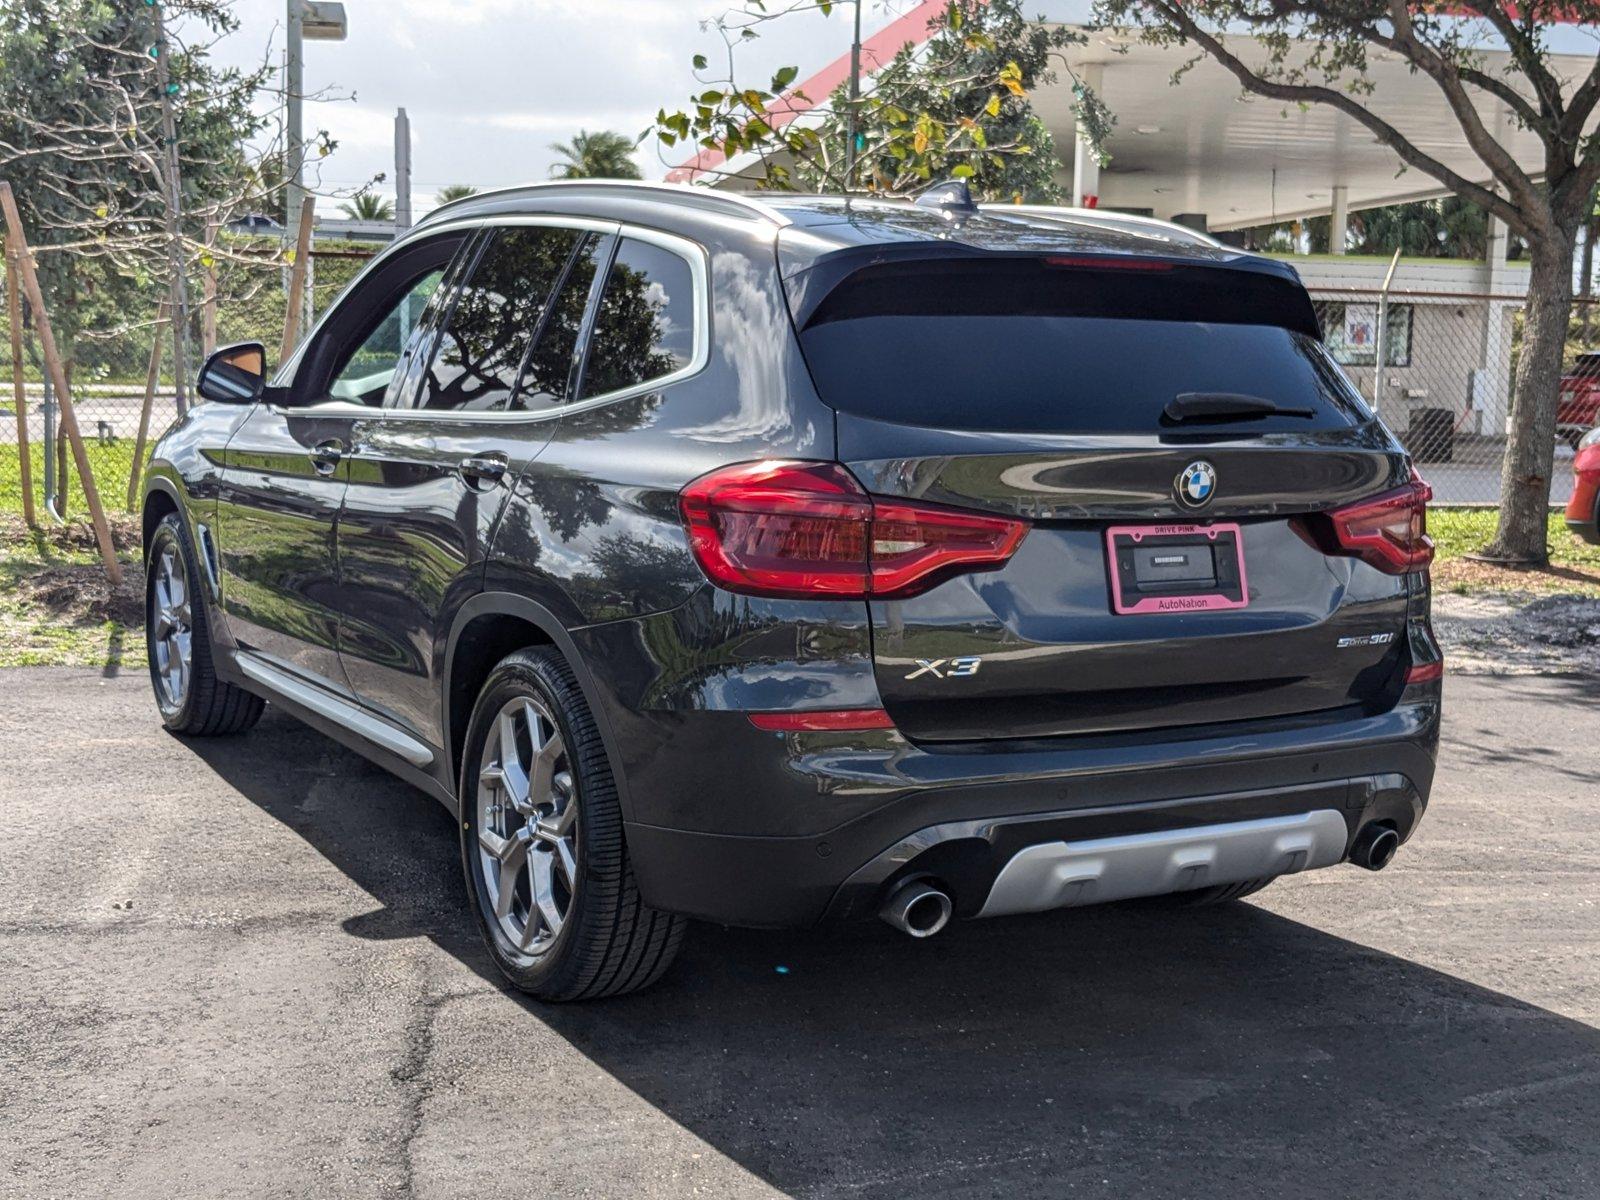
(1121, 1051)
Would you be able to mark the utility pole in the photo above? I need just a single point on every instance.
(402, 170)
(294, 70)
(179, 292)
(855, 97)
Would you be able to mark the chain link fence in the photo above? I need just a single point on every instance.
(1438, 363)
(1434, 357)
(111, 375)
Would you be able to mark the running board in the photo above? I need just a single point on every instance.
(1064, 874)
(340, 712)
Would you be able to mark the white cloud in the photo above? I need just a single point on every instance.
(558, 123)
(489, 84)
(478, 12)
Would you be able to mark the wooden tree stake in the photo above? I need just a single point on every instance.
(14, 312)
(69, 417)
(208, 311)
(297, 281)
(152, 380)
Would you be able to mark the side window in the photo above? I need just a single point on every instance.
(365, 374)
(497, 315)
(548, 379)
(644, 328)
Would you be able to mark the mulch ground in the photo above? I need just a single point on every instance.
(45, 567)
(1465, 575)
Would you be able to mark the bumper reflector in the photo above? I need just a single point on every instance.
(823, 719)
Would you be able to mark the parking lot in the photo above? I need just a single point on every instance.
(245, 968)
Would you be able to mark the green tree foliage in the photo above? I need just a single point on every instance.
(80, 144)
(368, 206)
(454, 191)
(1322, 51)
(1446, 228)
(599, 155)
(955, 107)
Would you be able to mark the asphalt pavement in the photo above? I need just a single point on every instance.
(245, 968)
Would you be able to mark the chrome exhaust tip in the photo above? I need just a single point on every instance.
(917, 908)
(1374, 847)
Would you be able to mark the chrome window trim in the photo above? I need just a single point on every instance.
(694, 254)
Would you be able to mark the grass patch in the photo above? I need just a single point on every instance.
(1574, 565)
(111, 462)
(57, 609)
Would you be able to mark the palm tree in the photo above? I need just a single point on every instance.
(601, 155)
(454, 191)
(368, 206)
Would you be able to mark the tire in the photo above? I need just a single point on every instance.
(1222, 893)
(193, 701)
(558, 803)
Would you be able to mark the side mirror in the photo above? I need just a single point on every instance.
(234, 374)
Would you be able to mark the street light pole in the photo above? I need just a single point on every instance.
(176, 255)
(855, 97)
(322, 21)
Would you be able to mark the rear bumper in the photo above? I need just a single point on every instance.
(963, 816)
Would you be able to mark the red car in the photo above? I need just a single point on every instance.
(1582, 511)
(1578, 410)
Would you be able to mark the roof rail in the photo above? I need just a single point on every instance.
(1106, 218)
(729, 203)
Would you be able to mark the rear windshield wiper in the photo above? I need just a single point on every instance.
(1225, 406)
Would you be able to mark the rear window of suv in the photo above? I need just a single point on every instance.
(1041, 346)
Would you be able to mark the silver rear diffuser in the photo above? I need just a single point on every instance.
(1065, 874)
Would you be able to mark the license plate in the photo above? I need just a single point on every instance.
(1176, 568)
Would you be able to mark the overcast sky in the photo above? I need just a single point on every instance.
(489, 84)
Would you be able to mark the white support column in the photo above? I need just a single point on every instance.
(1340, 225)
(1085, 166)
(1085, 175)
(1491, 388)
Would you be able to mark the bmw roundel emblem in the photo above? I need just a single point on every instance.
(1196, 485)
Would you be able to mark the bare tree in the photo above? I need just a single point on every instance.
(128, 148)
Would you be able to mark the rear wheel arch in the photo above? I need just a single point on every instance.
(487, 628)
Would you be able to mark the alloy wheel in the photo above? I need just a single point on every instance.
(527, 826)
(171, 628)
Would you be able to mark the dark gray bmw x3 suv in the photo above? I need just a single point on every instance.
(791, 560)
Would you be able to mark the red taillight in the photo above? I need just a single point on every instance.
(829, 720)
(807, 529)
(1389, 531)
(1425, 672)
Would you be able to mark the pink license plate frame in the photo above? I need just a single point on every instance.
(1174, 602)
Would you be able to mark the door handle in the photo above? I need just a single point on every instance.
(483, 470)
(325, 456)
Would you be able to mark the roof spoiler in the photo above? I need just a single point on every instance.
(810, 288)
